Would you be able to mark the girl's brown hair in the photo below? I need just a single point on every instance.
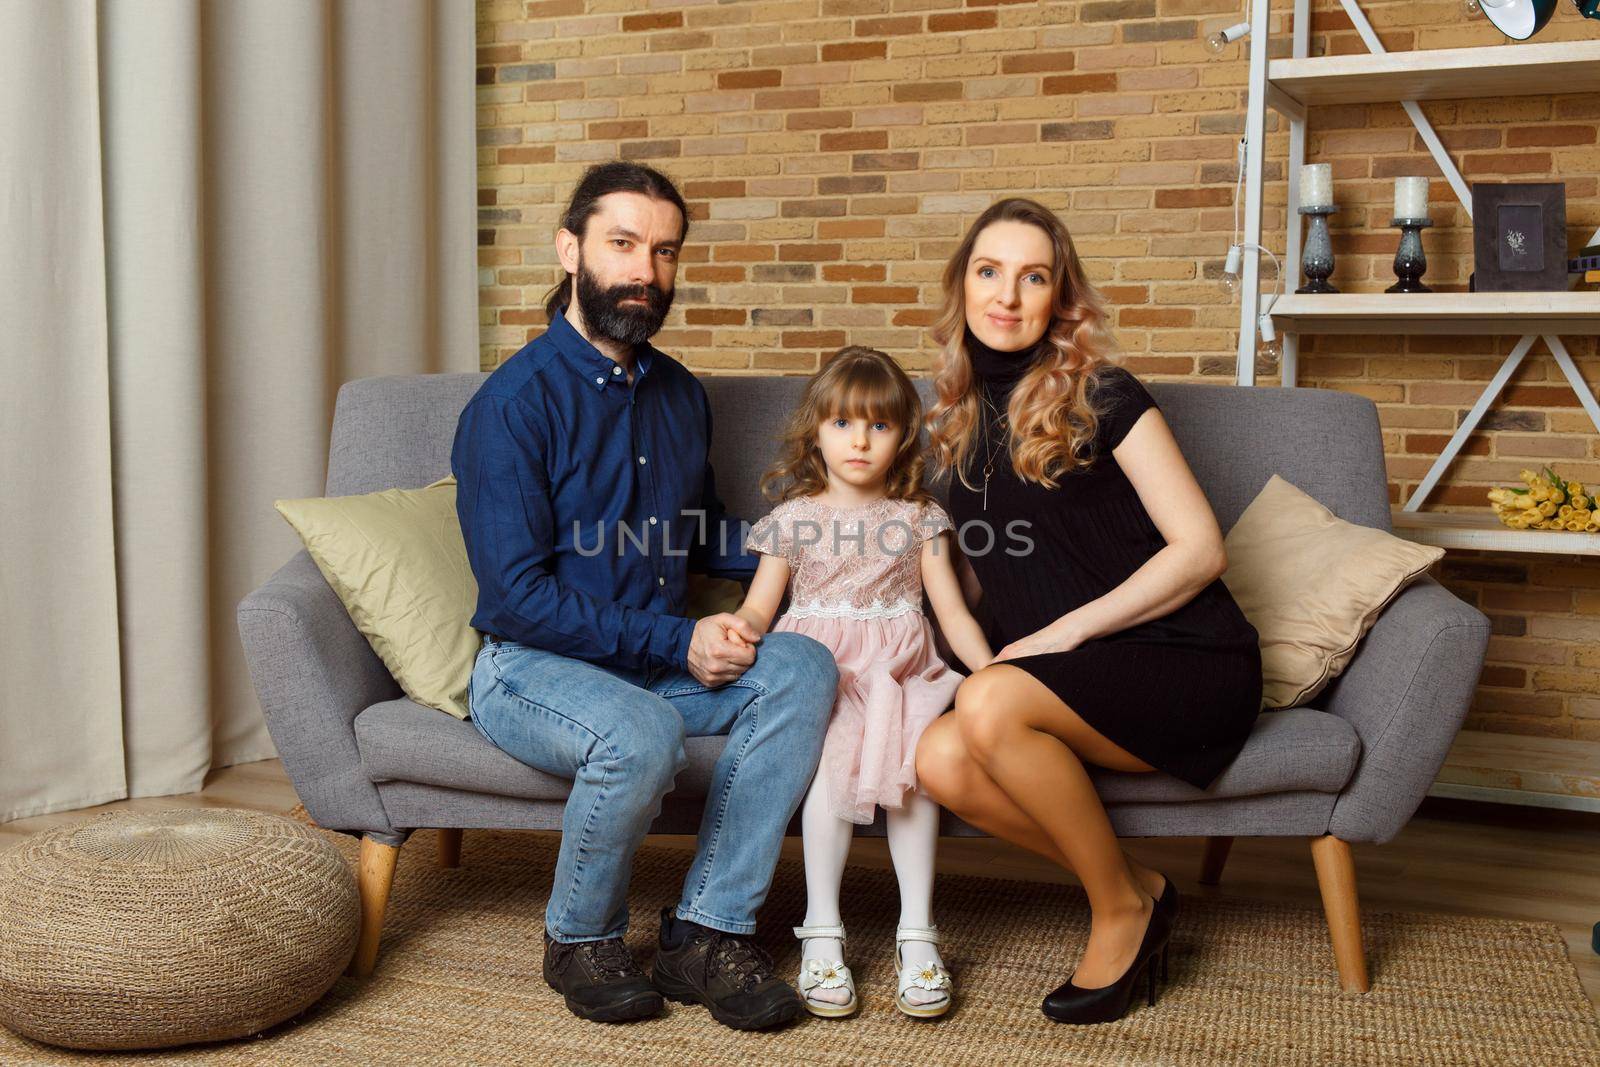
(1052, 422)
(855, 383)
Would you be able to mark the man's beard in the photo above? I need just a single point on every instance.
(607, 316)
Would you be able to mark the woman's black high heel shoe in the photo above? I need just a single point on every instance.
(1070, 1004)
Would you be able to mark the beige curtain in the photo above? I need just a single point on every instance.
(211, 214)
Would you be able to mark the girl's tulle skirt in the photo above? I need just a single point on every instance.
(892, 684)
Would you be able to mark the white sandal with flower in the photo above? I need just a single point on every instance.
(931, 976)
(825, 974)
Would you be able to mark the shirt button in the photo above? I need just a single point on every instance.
(661, 581)
(641, 460)
(599, 381)
(652, 520)
(616, 370)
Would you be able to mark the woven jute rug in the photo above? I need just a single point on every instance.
(458, 982)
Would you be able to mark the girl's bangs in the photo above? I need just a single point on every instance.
(874, 396)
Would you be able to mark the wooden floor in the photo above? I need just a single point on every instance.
(1454, 857)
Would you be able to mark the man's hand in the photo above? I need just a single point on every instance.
(722, 647)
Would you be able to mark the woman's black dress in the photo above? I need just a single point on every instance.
(1180, 692)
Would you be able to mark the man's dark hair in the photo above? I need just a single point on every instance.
(600, 180)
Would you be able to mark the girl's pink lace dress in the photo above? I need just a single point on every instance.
(855, 585)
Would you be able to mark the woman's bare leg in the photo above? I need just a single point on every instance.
(1033, 747)
(952, 777)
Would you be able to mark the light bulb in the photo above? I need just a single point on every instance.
(1230, 270)
(1271, 348)
(1217, 41)
(1269, 333)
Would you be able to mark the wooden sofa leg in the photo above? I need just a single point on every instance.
(1215, 859)
(450, 848)
(1336, 877)
(377, 875)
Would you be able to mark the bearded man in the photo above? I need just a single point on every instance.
(586, 497)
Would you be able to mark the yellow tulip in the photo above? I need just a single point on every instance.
(1573, 524)
(1547, 508)
(1564, 510)
(1574, 488)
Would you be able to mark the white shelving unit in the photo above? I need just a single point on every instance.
(1540, 772)
(1548, 772)
(1482, 532)
(1437, 74)
(1389, 313)
(1292, 85)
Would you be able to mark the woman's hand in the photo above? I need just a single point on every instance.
(1053, 638)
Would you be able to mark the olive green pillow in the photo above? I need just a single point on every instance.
(712, 596)
(398, 562)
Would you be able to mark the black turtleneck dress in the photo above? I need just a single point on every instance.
(1180, 692)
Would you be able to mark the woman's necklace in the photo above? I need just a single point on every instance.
(988, 444)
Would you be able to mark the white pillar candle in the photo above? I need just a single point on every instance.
(1316, 185)
(1411, 198)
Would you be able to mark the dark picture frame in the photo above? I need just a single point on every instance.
(1519, 237)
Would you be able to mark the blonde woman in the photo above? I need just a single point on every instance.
(1119, 645)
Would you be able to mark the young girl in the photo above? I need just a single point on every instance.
(855, 542)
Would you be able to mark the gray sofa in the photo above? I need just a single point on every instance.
(366, 760)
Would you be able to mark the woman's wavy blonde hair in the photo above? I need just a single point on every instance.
(855, 383)
(1052, 422)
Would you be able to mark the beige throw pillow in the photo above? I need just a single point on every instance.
(398, 562)
(1312, 585)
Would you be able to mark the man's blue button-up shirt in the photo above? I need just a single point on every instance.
(581, 500)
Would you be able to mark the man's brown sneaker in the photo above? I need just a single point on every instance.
(600, 980)
(727, 973)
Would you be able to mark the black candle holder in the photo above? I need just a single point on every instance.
(1409, 261)
(1316, 261)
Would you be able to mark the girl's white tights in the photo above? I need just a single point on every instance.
(913, 838)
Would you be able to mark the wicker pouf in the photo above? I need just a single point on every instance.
(151, 929)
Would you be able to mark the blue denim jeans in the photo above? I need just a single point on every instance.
(618, 734)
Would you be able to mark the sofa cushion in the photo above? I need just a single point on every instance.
(1298, 750)
(1301, 749)
(401, 740)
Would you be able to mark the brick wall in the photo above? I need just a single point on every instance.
(833, 151)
